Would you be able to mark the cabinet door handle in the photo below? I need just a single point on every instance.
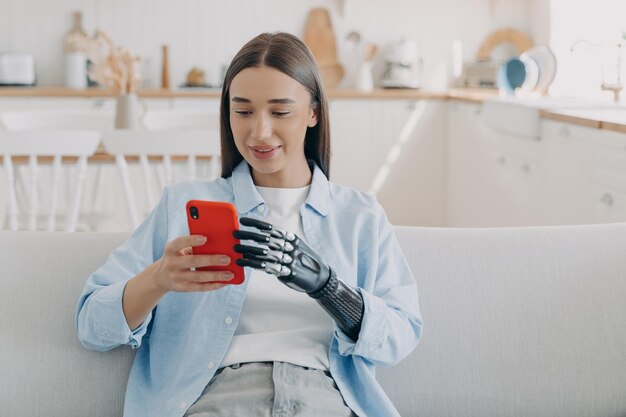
(564, 131)
(412, 105)
(607, 199)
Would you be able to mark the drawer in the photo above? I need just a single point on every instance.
(608, 204)
(611, 155)
(567, 132)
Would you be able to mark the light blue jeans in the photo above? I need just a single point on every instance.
(270, 389)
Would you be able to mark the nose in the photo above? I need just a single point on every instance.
(262, 128)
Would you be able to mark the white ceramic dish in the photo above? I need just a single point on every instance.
(532, 74)
(546, 63)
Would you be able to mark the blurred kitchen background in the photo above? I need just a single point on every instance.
(208, 33)
(453, 113)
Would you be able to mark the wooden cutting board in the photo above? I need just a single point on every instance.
(519, 39)
(320, 38)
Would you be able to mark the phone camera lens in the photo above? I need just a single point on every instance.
(194, 212)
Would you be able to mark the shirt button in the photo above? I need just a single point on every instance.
(210, 365)
(261, 208)
(228, 320)
(183, 405)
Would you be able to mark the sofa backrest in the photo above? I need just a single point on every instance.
(517, 322)
(44, 371)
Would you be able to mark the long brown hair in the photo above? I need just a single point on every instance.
(289, 55)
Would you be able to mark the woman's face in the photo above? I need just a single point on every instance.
(269, 116)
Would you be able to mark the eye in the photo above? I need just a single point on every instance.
(243, 112)
(281, 113)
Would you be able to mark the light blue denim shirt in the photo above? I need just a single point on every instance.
(183, 340)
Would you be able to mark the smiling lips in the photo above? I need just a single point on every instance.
(264, 152)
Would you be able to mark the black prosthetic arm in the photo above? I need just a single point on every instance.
(298, 266)
(343, 303)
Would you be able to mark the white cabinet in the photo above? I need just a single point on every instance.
(73, 103)
(200, 103)
(494, 178)
(568, 150)
(586, 178)
(571, 175)
(394, 149)
(468, 157)
(606, 195)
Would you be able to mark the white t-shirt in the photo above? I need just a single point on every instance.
(278, 323)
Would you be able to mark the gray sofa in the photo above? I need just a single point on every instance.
(518, 322)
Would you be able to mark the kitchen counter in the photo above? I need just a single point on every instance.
(471, 95)
(63, 92)
(610, 119)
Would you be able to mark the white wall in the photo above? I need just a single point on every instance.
(580, 71)
(207, 33)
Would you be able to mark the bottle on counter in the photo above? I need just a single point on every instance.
(165, 68)
(75, 60)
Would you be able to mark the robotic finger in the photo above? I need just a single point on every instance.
(268, 227)
(264, 254)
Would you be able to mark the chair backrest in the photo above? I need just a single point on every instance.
(176, 119)
(34, 144)
(65, 119)
(165, 145)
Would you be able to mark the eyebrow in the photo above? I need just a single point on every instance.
(272, 101)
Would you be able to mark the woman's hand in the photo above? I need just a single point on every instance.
(173, 272)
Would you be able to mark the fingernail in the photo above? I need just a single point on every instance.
(224, 260)
(201, 239)
(228, 275)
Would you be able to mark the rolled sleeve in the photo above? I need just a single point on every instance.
(100, 321)
(108, 327)
(373, 332)
(392, 324)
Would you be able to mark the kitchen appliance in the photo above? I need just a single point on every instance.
(497, 48)
(402, 66)
(480, 74)
(17, 69)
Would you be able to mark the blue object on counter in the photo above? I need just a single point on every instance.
(511, 75)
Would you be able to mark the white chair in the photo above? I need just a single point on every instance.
(181, 119)
(65, 119)
(164, 144)
(57, 144)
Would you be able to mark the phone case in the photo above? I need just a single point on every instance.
(217, 221)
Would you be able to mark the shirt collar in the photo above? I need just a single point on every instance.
(247, 197)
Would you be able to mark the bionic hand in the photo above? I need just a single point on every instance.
(298, 266)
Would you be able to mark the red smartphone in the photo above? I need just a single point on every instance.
(216, 220)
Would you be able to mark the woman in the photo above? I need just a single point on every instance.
(261, 348)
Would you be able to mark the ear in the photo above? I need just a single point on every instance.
(312, 118)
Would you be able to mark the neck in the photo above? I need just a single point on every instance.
(289, 177)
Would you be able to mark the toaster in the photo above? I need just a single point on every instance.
(480, 74)
(17, 69)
